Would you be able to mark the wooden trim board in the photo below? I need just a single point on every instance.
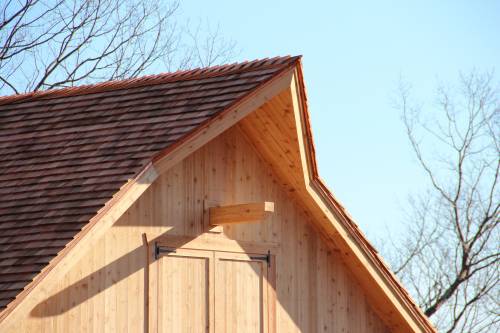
(343, 231)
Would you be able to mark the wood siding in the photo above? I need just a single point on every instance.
(107, 290)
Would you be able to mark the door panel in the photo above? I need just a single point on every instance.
(210, 291)
(184, 291)
(240, 293)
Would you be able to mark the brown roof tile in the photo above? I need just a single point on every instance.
(64, 153)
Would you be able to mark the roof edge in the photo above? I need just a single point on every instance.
(348, 221)
(155, 79)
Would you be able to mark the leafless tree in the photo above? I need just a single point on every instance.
(210, 47)
(50, 44)
(449, 257)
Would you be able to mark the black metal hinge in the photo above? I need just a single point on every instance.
(159, 250)
(266, 258)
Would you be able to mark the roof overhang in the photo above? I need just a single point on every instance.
(281, 133)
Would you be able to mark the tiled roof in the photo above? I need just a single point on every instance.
(64, 153)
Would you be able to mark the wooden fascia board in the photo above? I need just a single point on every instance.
(44, 282)
(342, 229)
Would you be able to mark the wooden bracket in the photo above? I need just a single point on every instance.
(242, 213)
(207, 227)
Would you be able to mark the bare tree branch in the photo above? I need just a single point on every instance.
(450, 255)
(46, 45)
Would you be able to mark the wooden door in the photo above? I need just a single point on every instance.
(241, 293)
(200, 289)
(184, 283)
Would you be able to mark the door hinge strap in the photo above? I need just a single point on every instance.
(266, 258)
(160, 249)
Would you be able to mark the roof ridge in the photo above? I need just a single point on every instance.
(152, 79)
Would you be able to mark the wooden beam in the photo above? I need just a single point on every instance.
(243, 213)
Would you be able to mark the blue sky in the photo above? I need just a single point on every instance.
(354, 53)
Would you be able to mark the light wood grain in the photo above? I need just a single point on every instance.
(183, 291)
(243, 213)
(241, 301)
(216, 243)
(313, 287)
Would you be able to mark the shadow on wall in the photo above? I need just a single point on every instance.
(313, 282)
(98, 281)
(137, 260)
(92, 284)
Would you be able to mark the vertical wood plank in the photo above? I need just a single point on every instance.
(311, 284)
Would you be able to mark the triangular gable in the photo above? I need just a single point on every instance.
(290, 151)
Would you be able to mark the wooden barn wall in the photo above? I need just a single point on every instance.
(104, 292)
